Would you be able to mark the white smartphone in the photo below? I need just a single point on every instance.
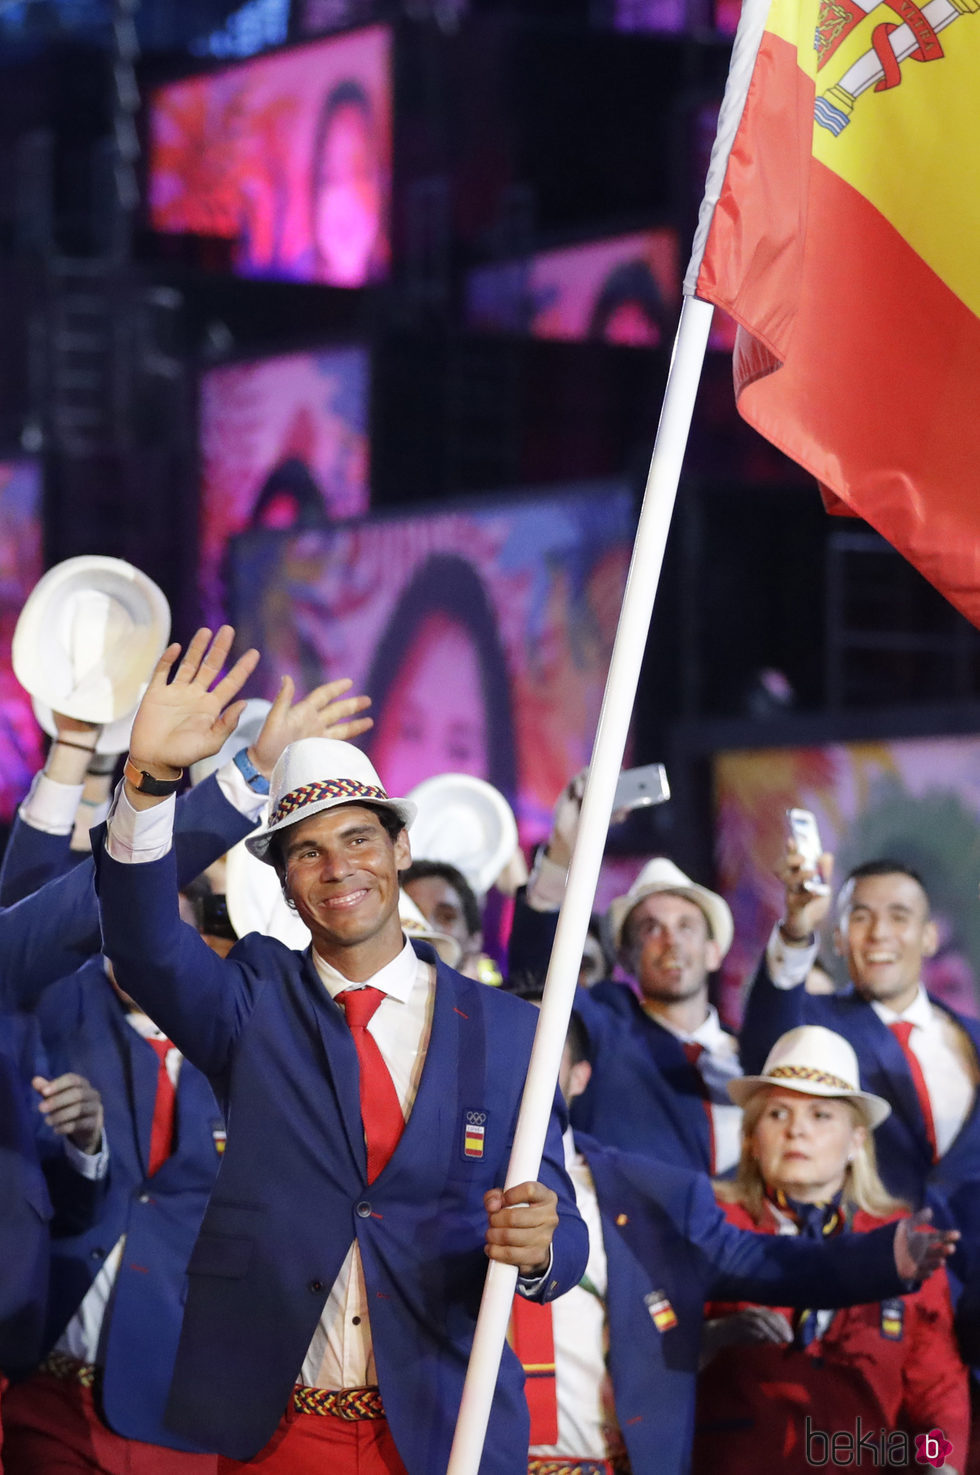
(639, 787)
(806, 837)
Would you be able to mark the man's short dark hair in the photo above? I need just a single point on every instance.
(421, 870)
(884, 866)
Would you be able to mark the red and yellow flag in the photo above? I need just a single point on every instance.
(845, 241)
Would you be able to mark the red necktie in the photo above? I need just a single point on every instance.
(380, 1109)
(901, 1031)
(164, 1110)
(693, 1053)
(533, 1338)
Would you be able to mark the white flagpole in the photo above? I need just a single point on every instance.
(607, 757)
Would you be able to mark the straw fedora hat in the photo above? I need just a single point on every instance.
(816, 1062)
(466, 822)
(660, 874)
(88, 637)
(316, 774)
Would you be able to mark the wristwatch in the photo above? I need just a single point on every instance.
(145, 783)
(256, 781)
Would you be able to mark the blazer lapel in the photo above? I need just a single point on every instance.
(682, 1101)
(142, 1068)
(885, 1071)
(343, 1070)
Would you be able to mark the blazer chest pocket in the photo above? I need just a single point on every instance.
(227, 1255)
(474, 1146)
(225, 1246)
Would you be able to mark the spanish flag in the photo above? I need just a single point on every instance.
(842, 233)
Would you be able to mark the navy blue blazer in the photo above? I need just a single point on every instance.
(54, 925)
(292, 1191)
(901, 1144)
(644, 1096)
(33, 1172)
(84, 1029)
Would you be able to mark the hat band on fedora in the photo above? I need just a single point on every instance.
(807, 1073)
(333, 788)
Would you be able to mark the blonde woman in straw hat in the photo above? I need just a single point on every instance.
(787, 1382)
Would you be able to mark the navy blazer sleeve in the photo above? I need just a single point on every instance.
(51, 932)
(532, 936)
(774, 1270)
(33, 857)
(769, 1013)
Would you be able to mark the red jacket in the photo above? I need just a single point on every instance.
(892, 1372)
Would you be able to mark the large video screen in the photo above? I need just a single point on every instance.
(914, 799)
(284, 443)
(286, 155)
(482, 634)
(623, 290)
(21, 565)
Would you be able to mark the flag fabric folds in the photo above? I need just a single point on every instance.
(842, 232)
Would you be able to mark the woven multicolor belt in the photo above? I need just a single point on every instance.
(70, 1369)
(537, 1466)
(342, 1403)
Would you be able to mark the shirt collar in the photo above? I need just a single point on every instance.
(143, 1025)
(710, 1033)
(396, 979)
(919, 1012)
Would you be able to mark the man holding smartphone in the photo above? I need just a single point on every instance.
(913, 1050)
(661, 1059)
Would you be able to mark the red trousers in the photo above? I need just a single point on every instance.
(51, 1426)
(320, 1444)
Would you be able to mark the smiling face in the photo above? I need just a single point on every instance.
(803, 1143)
(341, 874)
(669, 949)
(884, 933)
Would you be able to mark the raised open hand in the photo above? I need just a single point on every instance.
(326, 712)
(189, 717)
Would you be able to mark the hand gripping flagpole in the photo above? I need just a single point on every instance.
(607, 758)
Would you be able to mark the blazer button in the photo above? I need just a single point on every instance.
(96, 1254)
(144, 1198)
(316, 1285)
(363, 1209)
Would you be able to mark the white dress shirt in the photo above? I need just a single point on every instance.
(587, 1427)
(341, 1354)
(49, 806)
(948, 1061)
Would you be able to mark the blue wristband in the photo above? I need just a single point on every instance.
(255, 780)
